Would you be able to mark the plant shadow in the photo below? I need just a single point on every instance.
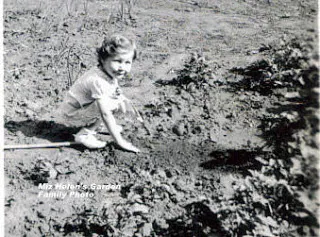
(198, 221)
(241, 160)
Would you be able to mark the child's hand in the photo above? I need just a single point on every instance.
(128, 146)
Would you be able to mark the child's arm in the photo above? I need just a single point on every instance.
(111, 125)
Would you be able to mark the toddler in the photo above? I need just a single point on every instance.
(96, 94)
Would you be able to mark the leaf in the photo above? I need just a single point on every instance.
(278, 82)
(296, 166)
(301, 214)
(262, 161)
(259, 199)
(272, 162)
(283, 172)
(308, 204)
(263, 230)
(268, 221)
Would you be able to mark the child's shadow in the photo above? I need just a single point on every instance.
(48, 130)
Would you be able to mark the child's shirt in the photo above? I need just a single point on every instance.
(95, 84)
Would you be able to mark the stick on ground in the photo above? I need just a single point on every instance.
(32, 146)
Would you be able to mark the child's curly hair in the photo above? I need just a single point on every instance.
(114, 45)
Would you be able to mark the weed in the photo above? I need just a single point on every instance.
(125, 12)
(85, 6)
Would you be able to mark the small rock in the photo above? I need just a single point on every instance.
(243, 98)
(211, 82)
(162, 223)
(186, 95)
(178, 184)
(146, 229)
(128, 231)
(198, 129)
(168, 173)
(40, 215)
(173, 112)
(291, 95)
(156, 182)
(213, 135)
(160, 128)
(192, 88)
(230, 115)
(140, 208)
(136, 198)
(177, 197)
(161, 173)
(29, 113)
(179, 129)
(33, 106)
(157, 197)
(53, 173)
(166, 187)
(16, 73)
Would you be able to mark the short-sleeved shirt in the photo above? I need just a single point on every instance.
(93, 85)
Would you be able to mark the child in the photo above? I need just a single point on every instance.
(98, 95)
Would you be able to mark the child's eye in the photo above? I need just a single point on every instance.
(128, 62)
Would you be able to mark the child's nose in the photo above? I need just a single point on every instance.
(122, 66)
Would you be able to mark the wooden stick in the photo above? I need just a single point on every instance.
(31, 146)
(139, 118)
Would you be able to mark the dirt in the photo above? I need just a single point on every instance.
(196, 142)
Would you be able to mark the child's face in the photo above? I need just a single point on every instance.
(119, 65)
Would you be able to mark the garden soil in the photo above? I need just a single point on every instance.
(195, 142)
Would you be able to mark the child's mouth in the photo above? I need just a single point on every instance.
(120, 73)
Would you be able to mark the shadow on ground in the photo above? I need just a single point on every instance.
(48, 130)
(240, 159)
(199, 221)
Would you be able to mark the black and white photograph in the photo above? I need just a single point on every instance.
(160, 118)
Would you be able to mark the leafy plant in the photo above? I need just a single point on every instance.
(284, 67)
(195, 73)
(279, 199)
